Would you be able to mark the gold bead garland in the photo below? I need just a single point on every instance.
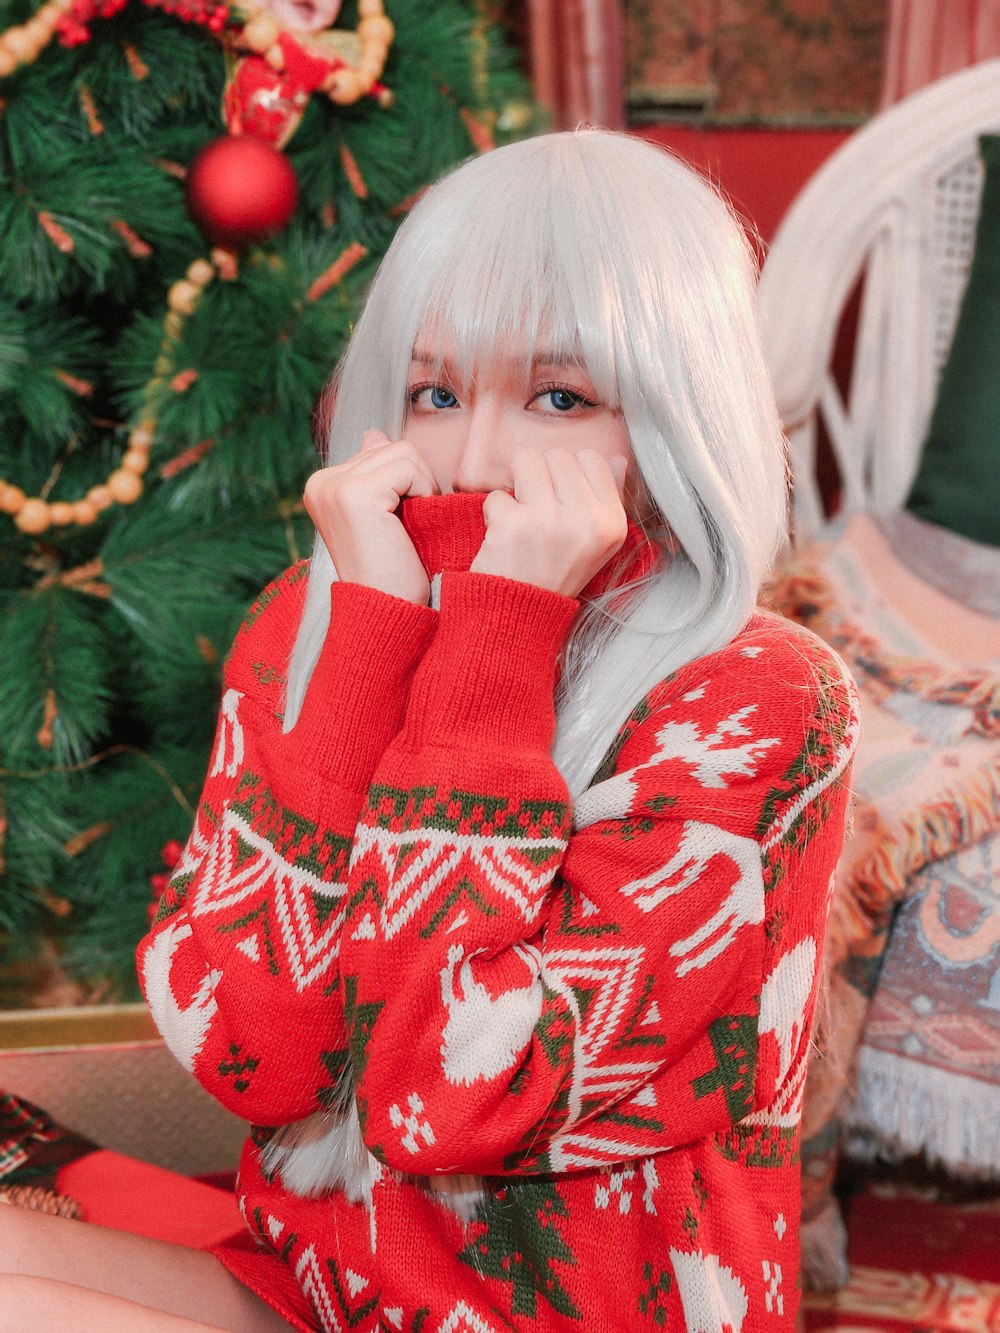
(34, 514)
(24, 43)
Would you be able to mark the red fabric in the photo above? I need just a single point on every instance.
(263, 1272)
(449, 529)
(893, 1231)
(607, 1017)
(347, 719)
(914, 1264)
(578, 61)
(129, 1195)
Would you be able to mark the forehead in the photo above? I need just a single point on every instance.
(509, 358)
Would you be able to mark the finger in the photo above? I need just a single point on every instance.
(606, 476)
(619, 466)
(397, 458)
(345, 490)
(532, 477)
(372, 439)
(573, 484)
(498, 506)
(403, 471)
(422, 481)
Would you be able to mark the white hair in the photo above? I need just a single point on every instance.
(610, 250)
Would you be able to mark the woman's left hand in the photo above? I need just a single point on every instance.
(563, 522)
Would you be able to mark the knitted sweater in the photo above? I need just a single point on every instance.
(600, 1013)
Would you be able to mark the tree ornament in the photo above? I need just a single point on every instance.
(159, 882)
(241, 190)
(291, 51)
(171, 852)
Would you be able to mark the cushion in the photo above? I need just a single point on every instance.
(958, 481)
(52, 1169)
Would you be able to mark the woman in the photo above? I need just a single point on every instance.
(502, 916)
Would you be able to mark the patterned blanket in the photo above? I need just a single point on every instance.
(909, 1046)
(928, 1075)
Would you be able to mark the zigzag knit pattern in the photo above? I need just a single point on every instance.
(602, 1013)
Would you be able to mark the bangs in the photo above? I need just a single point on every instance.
(515, 292)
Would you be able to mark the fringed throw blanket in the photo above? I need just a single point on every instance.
(916, 919)
(928, 1074)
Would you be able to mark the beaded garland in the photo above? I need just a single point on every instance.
(34, 514)
(257, 31)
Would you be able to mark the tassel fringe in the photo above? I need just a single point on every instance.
(914, 1108)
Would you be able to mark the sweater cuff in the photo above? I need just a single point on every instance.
(490, 675)
(357, 693)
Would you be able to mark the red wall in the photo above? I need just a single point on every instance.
(760, 171)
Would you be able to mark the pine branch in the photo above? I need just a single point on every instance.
(56, 705)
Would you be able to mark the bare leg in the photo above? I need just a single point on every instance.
(37, 1304)
(105, 1279)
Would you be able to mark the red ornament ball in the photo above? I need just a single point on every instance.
(171, 853)
(241, 189)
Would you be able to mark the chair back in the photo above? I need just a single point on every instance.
(889, 218)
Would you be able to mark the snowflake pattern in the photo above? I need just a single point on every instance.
(615, 1188)
(774, 1301)
(417, 1127)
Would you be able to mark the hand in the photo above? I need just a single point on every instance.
(353, 507)
(564, 520)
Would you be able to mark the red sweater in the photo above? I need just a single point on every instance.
(603, 1012)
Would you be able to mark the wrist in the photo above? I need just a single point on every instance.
(490, 674)
(357, 692)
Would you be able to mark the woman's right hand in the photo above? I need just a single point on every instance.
(353, 506)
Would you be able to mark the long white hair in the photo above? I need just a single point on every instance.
(610, 250)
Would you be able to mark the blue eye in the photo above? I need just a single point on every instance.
(564, 400)
(442, 397)
(432, 398)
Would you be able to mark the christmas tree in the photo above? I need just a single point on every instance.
(193, 199)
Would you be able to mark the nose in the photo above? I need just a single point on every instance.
(484, 461)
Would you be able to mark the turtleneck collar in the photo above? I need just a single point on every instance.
(448, 530)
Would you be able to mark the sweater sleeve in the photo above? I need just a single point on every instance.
(240, 969)
(523, 998)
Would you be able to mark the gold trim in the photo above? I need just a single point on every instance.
(91, 1025)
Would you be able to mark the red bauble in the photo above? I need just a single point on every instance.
(241, 189)
(171, 853)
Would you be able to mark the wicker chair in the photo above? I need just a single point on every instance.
(892, 213)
